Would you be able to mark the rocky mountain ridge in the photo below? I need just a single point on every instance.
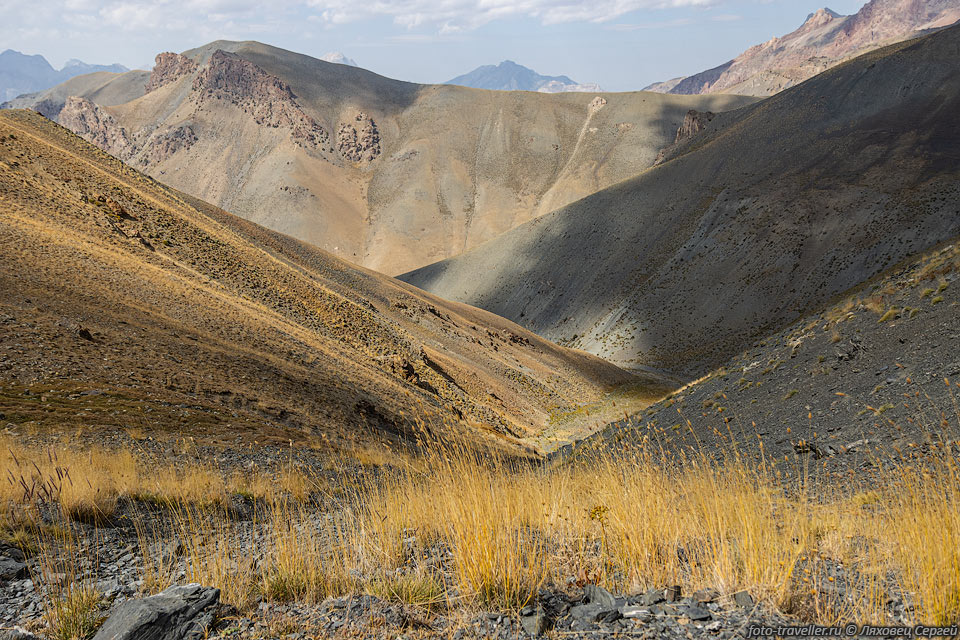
(824, 40)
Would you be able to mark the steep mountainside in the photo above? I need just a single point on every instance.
(387, 174)
(865, 377)
(757, 217)
(119, 293)
(824, 40)
(21, 73)
(510, 76)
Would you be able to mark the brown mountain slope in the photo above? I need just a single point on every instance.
(387, 174)
(117, 293)
(824, 40)
(765, 214)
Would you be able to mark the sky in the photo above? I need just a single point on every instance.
(622, 45)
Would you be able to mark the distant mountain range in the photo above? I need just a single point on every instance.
(20, 73)
(825, 39)
(510, 76)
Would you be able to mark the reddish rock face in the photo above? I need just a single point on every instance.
(168, 68)
(92, 123)
(824, 40)
(267, 98)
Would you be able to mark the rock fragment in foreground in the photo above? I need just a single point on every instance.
(184, 612)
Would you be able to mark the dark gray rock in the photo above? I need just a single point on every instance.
(11, 569)
(672, 594)
(599, 595)
(184, 612)
(587, 612)
(706, 595)
(743, 599)
(697, 614)
(653, 596)
(534, 621)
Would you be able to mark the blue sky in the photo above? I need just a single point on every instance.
(620, 44)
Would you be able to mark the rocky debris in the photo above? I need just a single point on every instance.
(270, 101)
(162, 146)
(693, 123)
(168, 68)
(91, 122)
(185, 612)
(359, 141)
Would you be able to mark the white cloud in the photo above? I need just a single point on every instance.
(451, 15)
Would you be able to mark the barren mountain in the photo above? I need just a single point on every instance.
(825, 39)
(387, 174)
(117, 292)
(753, 219)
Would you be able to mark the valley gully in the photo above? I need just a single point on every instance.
(851, 630)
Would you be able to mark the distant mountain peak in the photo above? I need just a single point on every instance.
(338, 58)
(821, 17)
(511, 76)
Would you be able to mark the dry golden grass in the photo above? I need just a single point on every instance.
(503, 529)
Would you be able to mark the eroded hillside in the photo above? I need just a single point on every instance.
(125, 304)
(387, 174)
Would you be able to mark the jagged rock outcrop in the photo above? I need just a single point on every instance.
(693, 123)
(264, 96)
(359, 144)
(91, 122)
(162, 146)
(169, 67)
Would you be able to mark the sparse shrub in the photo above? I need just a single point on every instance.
(74, 613)
(421, 587)
(891, 314)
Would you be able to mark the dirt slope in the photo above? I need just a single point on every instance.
(766, 213)
(823, 41)
(125, 303)
(387, 174)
